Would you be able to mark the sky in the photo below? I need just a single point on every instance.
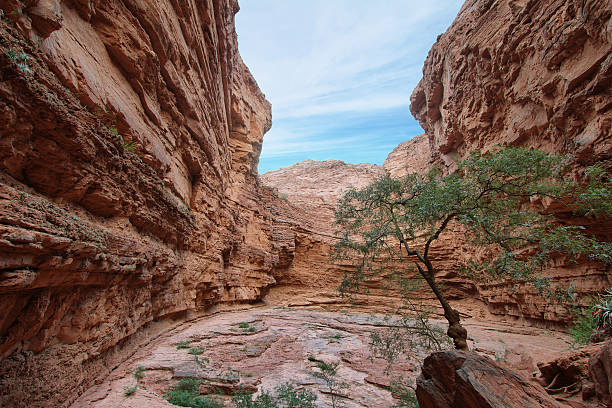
(339, 73)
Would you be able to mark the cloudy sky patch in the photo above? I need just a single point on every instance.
(339, 73)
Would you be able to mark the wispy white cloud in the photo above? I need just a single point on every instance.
(323, 63)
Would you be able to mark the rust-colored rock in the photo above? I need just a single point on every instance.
(453, 379)
(600, 372)
(128, 190)
(534, 73)
(412, 156)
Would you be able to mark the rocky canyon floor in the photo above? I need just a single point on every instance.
(260, 348)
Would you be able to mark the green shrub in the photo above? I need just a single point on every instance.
(129, 391)
(138, 372)
(286, 396)
(244, 325)
(183, 345)
(196, 351)
(584, 326)
(603, 311)
(598, 316)
(404, 393)
(186, 393)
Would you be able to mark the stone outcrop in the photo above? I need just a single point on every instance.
(130, 133)
(313, 277)
(534, 73)
(600, 372)
(316, 186)
(455, 378)
(412, 156)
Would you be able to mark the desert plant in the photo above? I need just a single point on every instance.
(286, 396)
(396, 221)
(138, 373)
(186, 393)
(130, 390)
(196, 351)
(328, 373)
(183, 345)
(404, 393)
(597, 317)
(20, 58)
(603, 310)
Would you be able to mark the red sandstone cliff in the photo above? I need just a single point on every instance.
(535, 73)
(129, 137)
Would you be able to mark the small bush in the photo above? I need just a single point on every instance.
(244, 325)
(201, 362)
(584, 326)
(186, 393)
(20, 58)
(286, 396)
(404, 393)
(129, 391)
(196, 351)
(138, 373)
(183, 345)
(603, 311)
(598, 316)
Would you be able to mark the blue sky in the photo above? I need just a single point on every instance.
(339, 73)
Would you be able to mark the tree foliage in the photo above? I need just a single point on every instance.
(502, 200)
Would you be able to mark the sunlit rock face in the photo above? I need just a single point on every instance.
(532, 73)
(128, 149)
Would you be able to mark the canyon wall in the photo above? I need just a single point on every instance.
(534, 73)
(130, 133)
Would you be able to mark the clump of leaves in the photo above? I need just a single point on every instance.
(246, 327)
(603, 310)
(186, 393)
(130, 390)
(584, 326)
(597, 316)
(286, 396)
(138, 373)
(21, 59)
(183, 345)
(201, 362)
(196, 351)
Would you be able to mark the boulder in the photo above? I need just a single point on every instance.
(600, 372)
(463, 379)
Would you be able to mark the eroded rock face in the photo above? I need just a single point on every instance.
(412, 156)
(455, 378)
(129, 139)
(316, 186)
(534, 73)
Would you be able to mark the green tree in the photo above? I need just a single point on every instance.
(499, 199)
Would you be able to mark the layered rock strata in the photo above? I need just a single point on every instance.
(532, 73)
(130, 132)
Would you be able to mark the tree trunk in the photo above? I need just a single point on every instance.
(455, 330)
